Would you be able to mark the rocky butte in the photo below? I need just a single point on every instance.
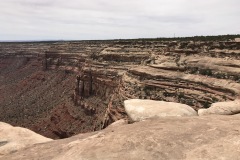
(121, 99)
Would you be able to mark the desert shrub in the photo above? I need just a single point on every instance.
(206, 72)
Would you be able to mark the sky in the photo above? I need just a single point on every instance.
(116, 19)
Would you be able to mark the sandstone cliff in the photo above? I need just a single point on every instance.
(59, 89)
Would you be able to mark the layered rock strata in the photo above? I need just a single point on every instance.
(86, 82)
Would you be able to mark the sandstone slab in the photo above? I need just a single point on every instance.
(222, 108)
(118, 123)
(15, 138)
(139, 110)
(207, 137)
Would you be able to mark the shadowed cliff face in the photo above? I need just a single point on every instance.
(64, 88)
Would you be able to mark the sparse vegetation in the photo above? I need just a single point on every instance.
(194, 38)
(179, 74)
(207, 72)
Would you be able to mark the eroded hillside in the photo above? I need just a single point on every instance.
(59, 89)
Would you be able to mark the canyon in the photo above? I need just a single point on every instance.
(61, 89)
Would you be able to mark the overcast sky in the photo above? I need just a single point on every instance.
(114, 19)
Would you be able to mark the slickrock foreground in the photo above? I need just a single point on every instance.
(13, 139)
(207, 137)
(139, 110)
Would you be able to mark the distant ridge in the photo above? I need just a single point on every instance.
(193, 38)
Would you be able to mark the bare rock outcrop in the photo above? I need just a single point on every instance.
(222, 108)
(208, 137)
(16, 138)
(139, 110)
(118, 123)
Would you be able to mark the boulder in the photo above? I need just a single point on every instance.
(15, 138)
(139, 110)
(222, 108)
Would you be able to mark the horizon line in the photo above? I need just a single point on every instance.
(59, 40)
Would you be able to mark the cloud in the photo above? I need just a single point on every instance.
(104, 19)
